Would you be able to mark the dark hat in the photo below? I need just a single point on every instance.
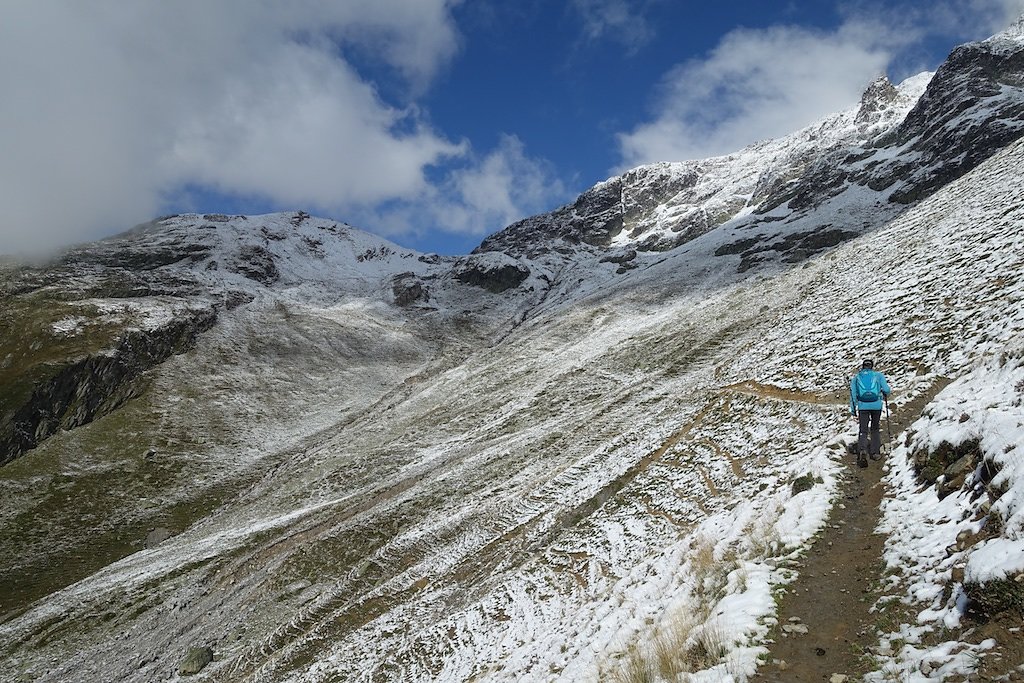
(868, 363)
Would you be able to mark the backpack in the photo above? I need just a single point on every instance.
(868, 394)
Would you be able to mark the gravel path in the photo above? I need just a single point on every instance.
(825, 623)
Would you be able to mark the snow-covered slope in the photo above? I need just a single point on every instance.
(899, 145)
(658, 207)
(540, 462)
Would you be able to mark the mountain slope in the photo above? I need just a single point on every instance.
(526, 463)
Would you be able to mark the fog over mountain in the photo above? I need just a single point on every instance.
(602, 445)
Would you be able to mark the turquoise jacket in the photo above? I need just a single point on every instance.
(868, 379)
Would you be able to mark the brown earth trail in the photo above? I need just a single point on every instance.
(825, 623)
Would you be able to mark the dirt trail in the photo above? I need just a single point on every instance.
(834, 592)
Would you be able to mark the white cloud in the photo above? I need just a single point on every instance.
(310, 132)
(502, 188)
(755, 84)
(110, 105)
(764, 83)
(482, 196)
(962, 20)
(1012, 10)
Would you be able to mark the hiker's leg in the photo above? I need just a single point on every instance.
(876, 434)
(862, 434)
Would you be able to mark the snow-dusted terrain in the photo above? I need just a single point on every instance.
(598, 444)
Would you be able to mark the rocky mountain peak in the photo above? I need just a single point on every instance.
(900, 144)
(1014, 33)
(973, 106)
(877, 98)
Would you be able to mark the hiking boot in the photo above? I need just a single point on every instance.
(862, 459)
(876, 456)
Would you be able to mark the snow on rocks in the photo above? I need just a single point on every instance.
(1010, 38)
(964, 552)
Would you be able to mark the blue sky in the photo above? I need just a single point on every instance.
(431, 122)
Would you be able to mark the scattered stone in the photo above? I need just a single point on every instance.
(804, 483)
(820, 651)
(157, 536)
(196, 659)
(838, 678)
(620, 259)
(781, 664)
(947, 466)
(795, 628)
(235, 298)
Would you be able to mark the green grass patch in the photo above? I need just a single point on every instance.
(32, 352)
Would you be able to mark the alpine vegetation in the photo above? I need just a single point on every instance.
(602, 446)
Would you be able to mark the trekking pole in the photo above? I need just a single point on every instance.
(888, 422)
(851, 447)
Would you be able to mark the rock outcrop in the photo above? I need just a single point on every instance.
(491, 272)
(77, 391)
(196, 659)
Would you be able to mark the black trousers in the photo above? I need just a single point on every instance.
(869, 426)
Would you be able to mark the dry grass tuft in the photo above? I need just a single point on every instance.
(681, 647)
(637, 668)
(687, 641)
(762, 536)
(706, 647)
(669, 648)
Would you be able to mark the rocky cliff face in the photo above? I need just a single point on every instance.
(79, 335)
(71, 392)
(662, 206)
(973, 107)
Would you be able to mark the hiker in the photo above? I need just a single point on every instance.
(868, 389)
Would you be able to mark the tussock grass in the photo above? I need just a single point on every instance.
(680, 647)
(669, 646)
(686, 641)
(638, 667)
(689, 641)
(762, 537)
(710, 575)
(706, 646)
